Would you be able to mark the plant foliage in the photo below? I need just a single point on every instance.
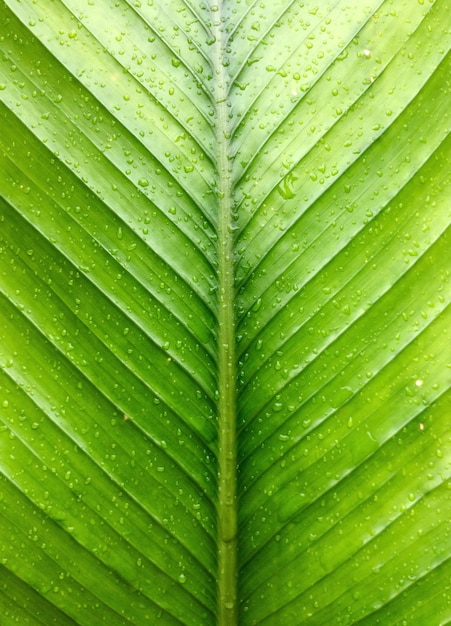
(225, 307)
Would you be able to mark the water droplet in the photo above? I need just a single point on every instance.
(285, 188)
(257, 305)
(343, 394)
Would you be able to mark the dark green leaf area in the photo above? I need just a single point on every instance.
(143, 528)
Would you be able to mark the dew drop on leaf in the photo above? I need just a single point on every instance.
(257, 305)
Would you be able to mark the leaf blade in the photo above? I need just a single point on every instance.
(132, 196)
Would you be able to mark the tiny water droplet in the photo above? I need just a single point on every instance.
(257, 305)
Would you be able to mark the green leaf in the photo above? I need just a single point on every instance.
(225, 306)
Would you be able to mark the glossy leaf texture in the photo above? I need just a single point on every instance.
(149, 152)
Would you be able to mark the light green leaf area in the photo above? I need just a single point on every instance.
(224, 312)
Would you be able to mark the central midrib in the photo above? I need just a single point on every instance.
(227, 502)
